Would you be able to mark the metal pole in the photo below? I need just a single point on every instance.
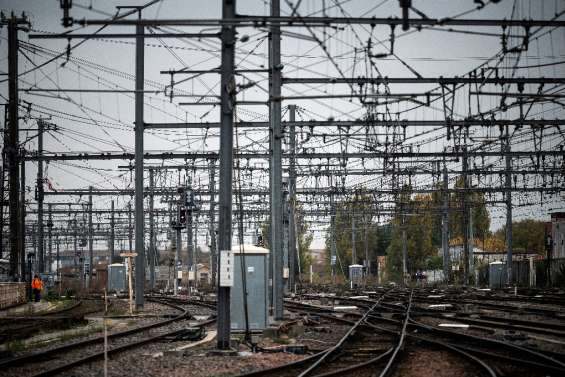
(333, 256)
(112, 233)
(227, 86)
(508, 184)
(471, 242)
(445, 228)
(50, 238)
(195, 252)
(292, 236)
(11, 151)
(130, 235)
(90, 240)
(40, 234)
(276, 164)
(404, 251)
(139, 218)
(58, 256)
(189, 246)
(353, 241)
(22, 218)
(151, 232)
(212, 228)
(366, 244)
(465, 221)
(178, 246)
(75, 245)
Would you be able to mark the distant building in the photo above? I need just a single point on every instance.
(318, 260)
(558, 235)
(456, 254)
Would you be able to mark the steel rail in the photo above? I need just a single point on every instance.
(112, 351)
(454, 347)
(450, 347)
(34, 356)
(387, 369)
(340, 343)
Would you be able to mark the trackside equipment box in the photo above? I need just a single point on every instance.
(116, 278)
(253, 262)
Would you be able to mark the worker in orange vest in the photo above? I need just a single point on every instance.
(37, 286)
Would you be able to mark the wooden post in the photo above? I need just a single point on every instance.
(129, 256)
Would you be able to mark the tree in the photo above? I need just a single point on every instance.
(417, 219)
(480, 216)
(303, 235)
(527, 236)
(360, 208)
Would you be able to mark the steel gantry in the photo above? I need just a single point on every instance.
(320, 176)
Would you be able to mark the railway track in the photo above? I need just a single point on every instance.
(365, 350)
(490, 356)
(19, 327)
(62, 358)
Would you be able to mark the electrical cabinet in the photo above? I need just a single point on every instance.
(250, 263)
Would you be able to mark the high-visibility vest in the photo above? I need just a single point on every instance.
(37, 284)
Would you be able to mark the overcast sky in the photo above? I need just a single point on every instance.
(104, 122)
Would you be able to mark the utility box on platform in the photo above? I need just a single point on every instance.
(116, 278)
(497, 274)
(356, 275)
(250, 262)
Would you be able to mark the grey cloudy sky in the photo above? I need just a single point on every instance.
(104, 122)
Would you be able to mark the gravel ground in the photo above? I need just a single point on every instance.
(197, 364)
(152, 359)
(418, 361)
(95, 329)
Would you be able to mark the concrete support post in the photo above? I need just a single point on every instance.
(227, 99)
(139, 216)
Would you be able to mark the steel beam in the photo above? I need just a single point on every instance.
(286, 21)
(39, 185)
(302, 155)
(425, 80)
(11, 151)
(364, 123)
(276, 244)
(228, 91)
(139, 219)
